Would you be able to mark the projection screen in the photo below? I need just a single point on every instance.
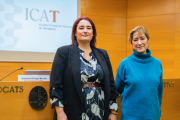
(32, 30)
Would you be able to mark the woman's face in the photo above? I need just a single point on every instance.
(140, 42)
(84, 31)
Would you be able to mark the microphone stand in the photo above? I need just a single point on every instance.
(12, 72)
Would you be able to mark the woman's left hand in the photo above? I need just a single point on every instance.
(112, 117)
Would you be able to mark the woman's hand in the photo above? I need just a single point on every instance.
(61, 116)
(112, 117)
(60, 113)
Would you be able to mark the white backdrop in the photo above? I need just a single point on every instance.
(32, 27)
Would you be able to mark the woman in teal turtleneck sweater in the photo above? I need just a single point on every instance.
(139, 80)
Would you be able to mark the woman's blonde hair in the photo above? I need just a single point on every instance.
(139, 29)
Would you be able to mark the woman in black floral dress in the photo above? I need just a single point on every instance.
(82, 83)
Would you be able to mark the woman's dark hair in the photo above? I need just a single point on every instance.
(73, 37)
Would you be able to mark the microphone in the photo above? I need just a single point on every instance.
(12, 72)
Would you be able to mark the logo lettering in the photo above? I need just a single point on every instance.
(31, 14)
(43, 16)
(54, 15)
(11, 89)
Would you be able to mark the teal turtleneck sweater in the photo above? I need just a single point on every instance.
(139, 81)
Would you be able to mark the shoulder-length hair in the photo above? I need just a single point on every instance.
(139, 29)
(73, 37)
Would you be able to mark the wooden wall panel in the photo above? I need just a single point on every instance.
(177, 46)
(128, 53)
(176, 72)
(177, 37)
(109, 25)
(177, 41)
(129, 46)
(114, 71)
(168, 73)
(165, 56)
(116, 57)
(162, 41)
(83, 2)
(139, 8)
(112, 42)
(177, 59)
(113, 8)
(177, 23)
(154, 24)
(177, 6)
(177, 52)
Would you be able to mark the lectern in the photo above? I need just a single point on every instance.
(16, 103)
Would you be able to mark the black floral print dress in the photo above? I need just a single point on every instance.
(91, 71)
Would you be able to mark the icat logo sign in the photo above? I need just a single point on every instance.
(41, 15)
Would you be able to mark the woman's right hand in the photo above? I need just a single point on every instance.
(60, 113)
(61, 116)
